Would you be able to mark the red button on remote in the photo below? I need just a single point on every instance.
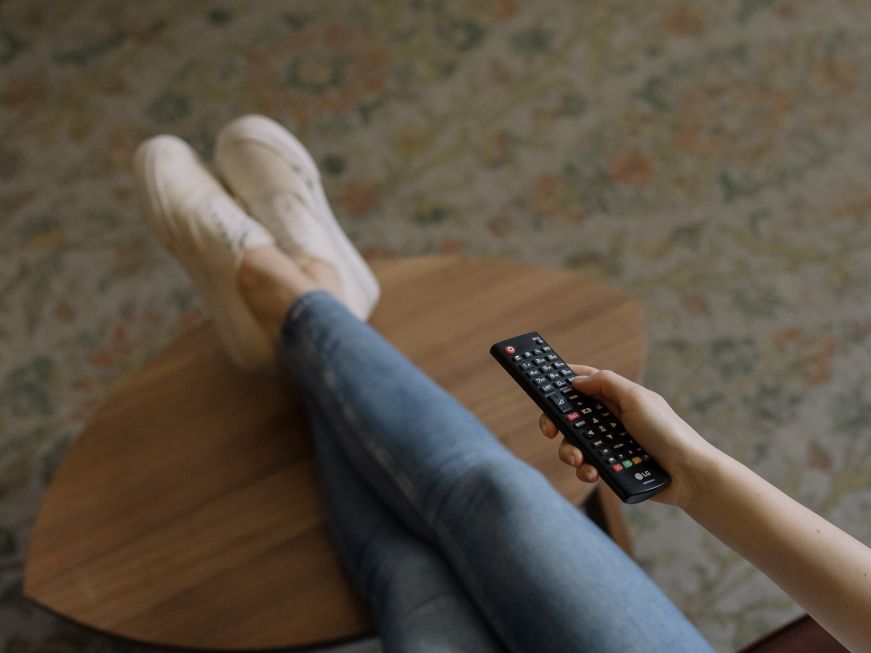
(617, 467)
(509, 349)
(573, 416)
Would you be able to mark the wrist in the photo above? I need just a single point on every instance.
(704, 472)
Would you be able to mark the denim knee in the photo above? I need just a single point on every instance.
(497, 486)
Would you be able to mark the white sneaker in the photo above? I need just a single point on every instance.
(195, 218)
(275, 177)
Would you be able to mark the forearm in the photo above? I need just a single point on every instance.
(824, 569)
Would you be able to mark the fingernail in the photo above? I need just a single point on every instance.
(580, 377)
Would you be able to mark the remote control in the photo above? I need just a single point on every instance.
(585, 421)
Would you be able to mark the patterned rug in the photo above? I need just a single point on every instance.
(712, 158)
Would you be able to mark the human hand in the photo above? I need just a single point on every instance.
(648, 418)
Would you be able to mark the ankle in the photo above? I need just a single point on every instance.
(269, 283)
(327, 277)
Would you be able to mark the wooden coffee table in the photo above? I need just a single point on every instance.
(188, 513)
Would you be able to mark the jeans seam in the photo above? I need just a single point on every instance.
(382, 458)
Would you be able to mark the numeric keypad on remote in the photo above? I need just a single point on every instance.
(586, 415)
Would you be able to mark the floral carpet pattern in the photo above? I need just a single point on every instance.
(713, 158)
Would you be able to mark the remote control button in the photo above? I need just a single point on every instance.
(598, 443)
(560, 402)
(558, 364)
(546, 368)
(611, 460)
(552, 375)
(590, 433)
(539, 380)
(574, 415)
(547, 388)
(539, 361)
(645, 457)
(537, 352)
(620, 455)
(509, 349)
(525, 366)
(559, 383)
(627, 464)
(580, 424)
(537, 340)
(617, 467)
(586, 411)
(527, 354)
(567, 373)
(532, 373)
(545, 349)
(605, 452)
(552, 357)
(517, 358)
(636, 460)
(567, 391)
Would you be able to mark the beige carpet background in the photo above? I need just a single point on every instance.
(711, 157)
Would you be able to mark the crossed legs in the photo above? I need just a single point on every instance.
(453, 539)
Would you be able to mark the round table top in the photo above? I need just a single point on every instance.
(188, 512)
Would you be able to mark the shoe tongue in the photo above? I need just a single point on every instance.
(233, 225)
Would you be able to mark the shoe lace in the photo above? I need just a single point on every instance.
(231, 224)
(291, 219)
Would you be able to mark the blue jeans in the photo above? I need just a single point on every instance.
(456, 544)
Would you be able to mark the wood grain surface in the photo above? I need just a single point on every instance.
(188, 512)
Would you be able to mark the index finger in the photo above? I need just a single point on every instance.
(583, 370)
(606, 384)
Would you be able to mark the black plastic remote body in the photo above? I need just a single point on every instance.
(585, 421)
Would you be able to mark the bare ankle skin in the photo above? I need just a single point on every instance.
(327, 276)
(270, 282)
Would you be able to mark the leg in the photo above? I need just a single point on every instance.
(545, 577)
(542, 574)
(418, 603)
